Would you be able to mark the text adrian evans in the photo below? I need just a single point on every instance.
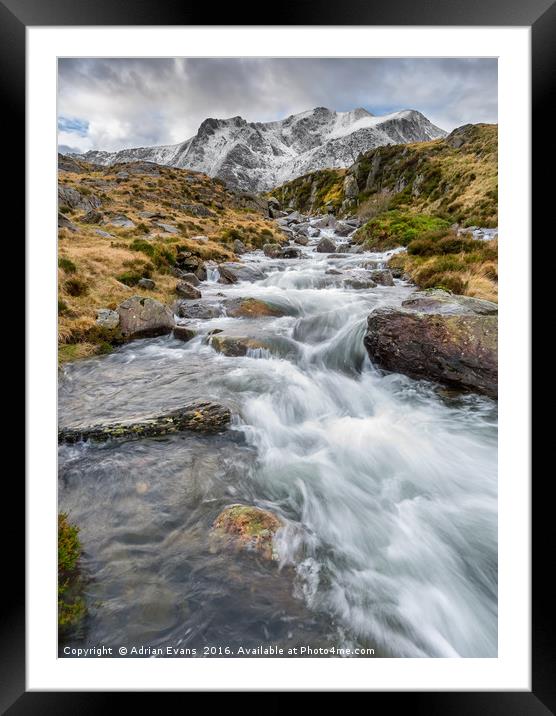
(262, 650)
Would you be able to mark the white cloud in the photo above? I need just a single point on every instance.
(141, 102)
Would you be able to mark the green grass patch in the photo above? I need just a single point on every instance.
(162, 256)
(71, 605)
(67, 265)
(396, 228)
(76, 286)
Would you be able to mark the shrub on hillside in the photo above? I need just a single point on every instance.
(396, 228)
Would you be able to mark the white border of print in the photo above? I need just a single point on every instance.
(511, 669)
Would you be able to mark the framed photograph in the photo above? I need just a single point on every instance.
(272, 444)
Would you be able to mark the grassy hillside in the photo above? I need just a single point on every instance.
(455, 178)
(100, 263)
(313, 192)
(412, 195)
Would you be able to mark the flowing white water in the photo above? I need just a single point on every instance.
(388, 488)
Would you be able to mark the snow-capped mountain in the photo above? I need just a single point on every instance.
(256, 156)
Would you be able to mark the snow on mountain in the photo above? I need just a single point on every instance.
(257, 156)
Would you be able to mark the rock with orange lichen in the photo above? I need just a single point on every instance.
(249, 528)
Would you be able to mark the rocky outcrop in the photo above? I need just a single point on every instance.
(92, 217)
(248, 528)
(122, 221)
(74, 199)
(415, 177)
(65, 223)
(440, 337)
(189, 263)
(142, 317)
(146, 283)
(204, 417)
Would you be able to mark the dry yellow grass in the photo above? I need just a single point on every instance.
(475, 279)
(91, 265)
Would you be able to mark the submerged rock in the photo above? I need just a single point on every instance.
(142, 317)
(184, 333)
(359, 283)
(449, 339)
(235, 346)
(290, 252)
(200, 416)
(249, 528)
(250, 308)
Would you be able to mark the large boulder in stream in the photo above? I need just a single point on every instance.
(383, 277)
(250, 308)
(232, 272)
(142, 317)
(326, 246)
(438, 336)
(201, 416)
(273, 251)
(185, 289)
(247, 528)
(236, 346)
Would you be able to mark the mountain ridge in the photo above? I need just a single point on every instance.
(256, 156)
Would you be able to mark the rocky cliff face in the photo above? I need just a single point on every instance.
(256, 156)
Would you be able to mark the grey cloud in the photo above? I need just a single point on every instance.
(140, 102)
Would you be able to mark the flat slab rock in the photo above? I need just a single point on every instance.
(206, 417)
(437, 336)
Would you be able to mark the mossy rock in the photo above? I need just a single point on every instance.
(71, 604)
(250, 308)
(248, 528)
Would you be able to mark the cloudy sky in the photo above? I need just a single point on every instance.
(118, 103)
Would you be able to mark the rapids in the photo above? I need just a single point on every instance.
(387, 486)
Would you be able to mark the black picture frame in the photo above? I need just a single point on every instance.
(540, 16)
